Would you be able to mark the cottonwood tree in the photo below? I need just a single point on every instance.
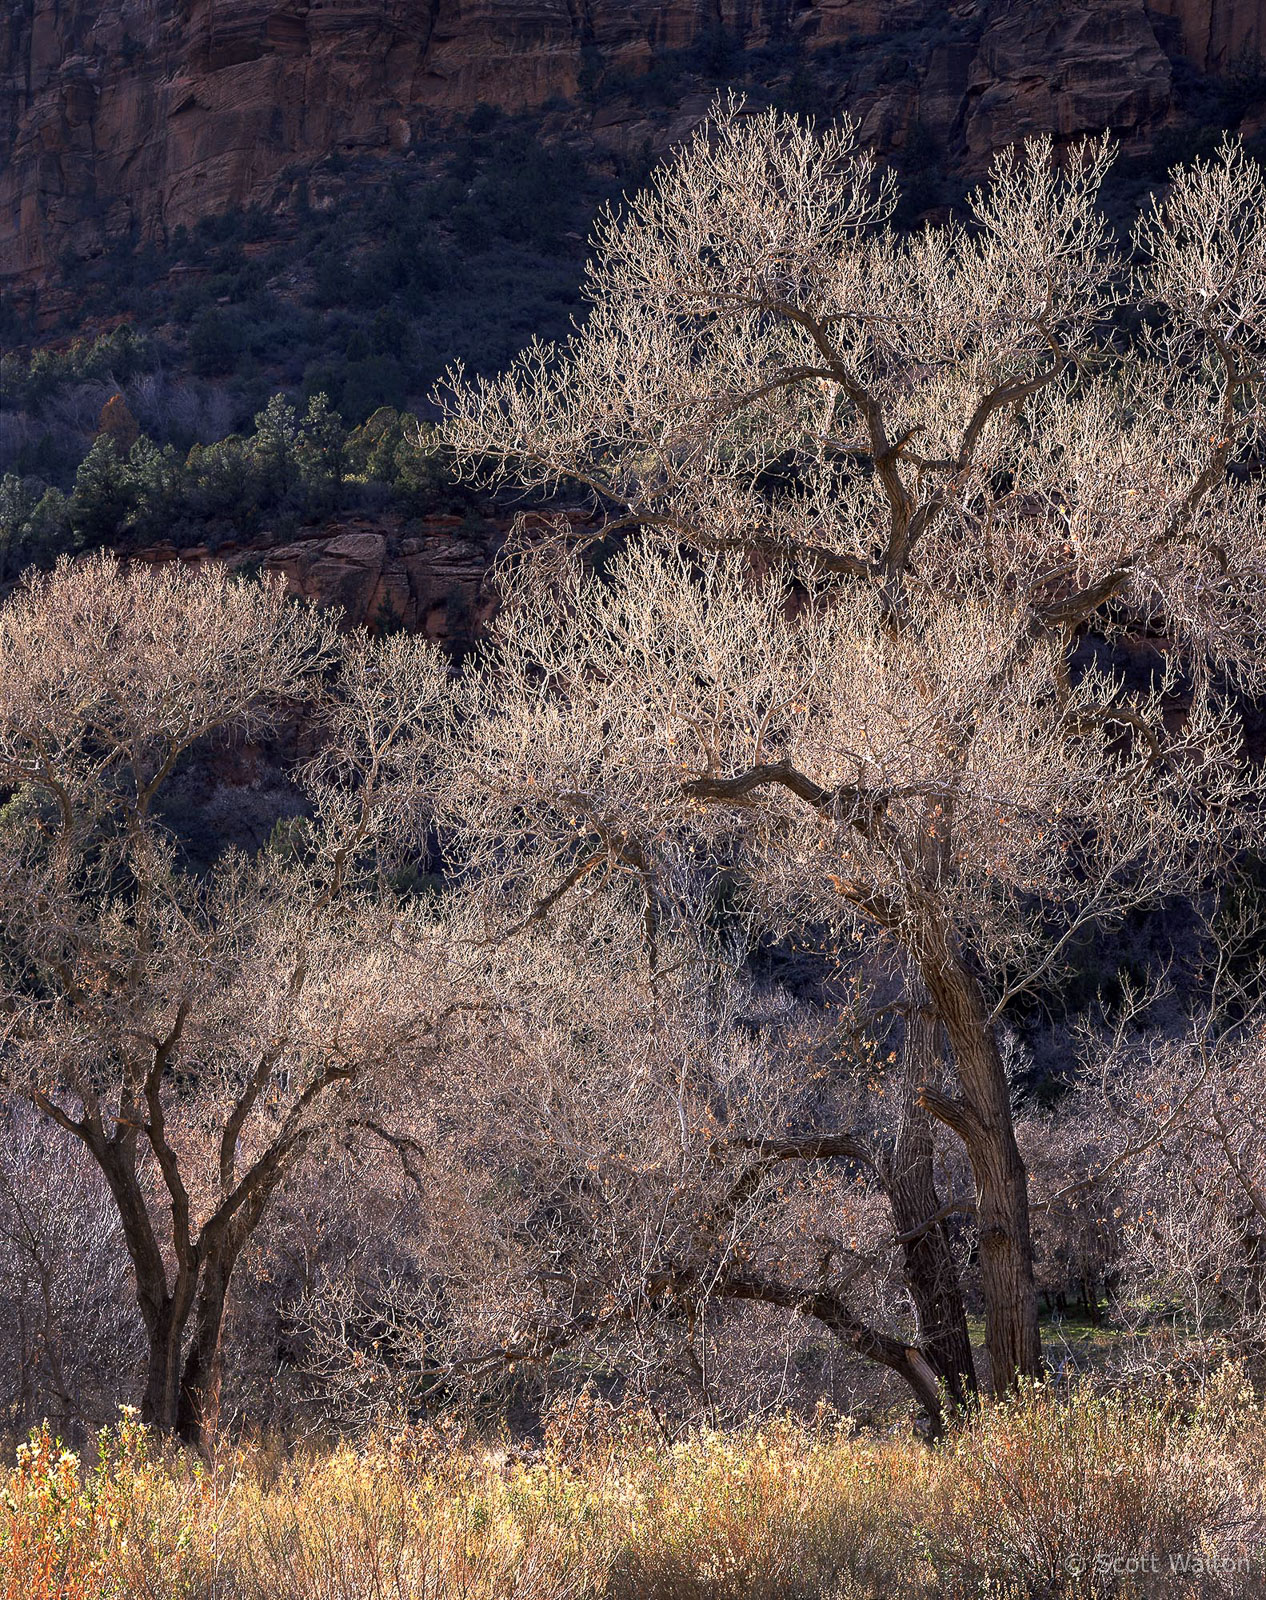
(881, 495)
(194, 1033)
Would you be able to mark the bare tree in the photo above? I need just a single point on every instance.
(195, 1034)
(911, 477)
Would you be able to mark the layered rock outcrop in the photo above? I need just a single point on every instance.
(428, 576)
(119, 115)
(430, 581)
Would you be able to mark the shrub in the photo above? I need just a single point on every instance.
(767, 1516)
(1016, 1505)
(132, 1526)
(368, 1524)
(34, 527)
(1059, 1490)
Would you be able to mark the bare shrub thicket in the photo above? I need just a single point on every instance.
(68, 1343)
(582, 1196)
(1154, 1171)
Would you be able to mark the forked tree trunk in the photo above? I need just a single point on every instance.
(165, 1307)
(165, 1315)
(981, 1116)
(182, 1380)
(158, 1403)
(181, 1391)
(199, 1401)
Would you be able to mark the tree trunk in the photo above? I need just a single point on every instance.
(929, 1268)
(164, 1310)
(200, 1381)
(982, 1119)
(159, 1401)
(184, 1402)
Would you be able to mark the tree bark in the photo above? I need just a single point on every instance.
(982, 1119)
(164, 1308)
(200, 1382)
(181, 1391)
(199, 1399)
(929, 1269)
(158, 1402)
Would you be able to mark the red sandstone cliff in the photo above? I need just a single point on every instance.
(429, 577)
(149, 113)
(1216, 34)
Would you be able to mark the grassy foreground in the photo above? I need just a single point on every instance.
(1073, 1495)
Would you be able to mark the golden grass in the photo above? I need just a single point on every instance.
(1061, 1496)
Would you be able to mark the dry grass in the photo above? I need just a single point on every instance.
(1056, 1496)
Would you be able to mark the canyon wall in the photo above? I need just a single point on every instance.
(1217, 35)
(140, 115)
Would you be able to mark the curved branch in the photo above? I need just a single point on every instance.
(836, 1314)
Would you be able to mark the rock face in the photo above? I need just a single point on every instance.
(429, 579)
(145, 114)
(1220, 36)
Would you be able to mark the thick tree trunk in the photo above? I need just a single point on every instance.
(982, 1118)
(179, 1401)
(160, 1401)
(929, 1268)
(164, 1309)
(184, 1402)
(200, 1381)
